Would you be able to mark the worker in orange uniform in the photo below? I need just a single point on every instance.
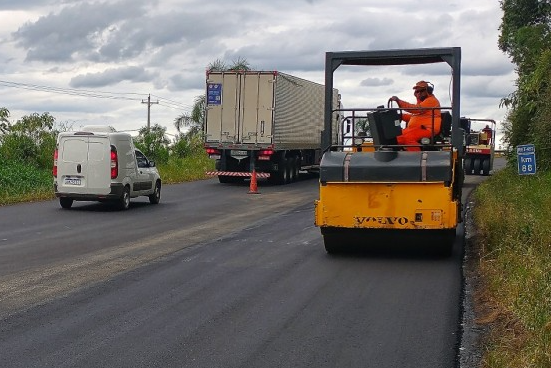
(420, 123)
(489, 133)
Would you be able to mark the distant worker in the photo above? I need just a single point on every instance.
(488, 138)
(420, 123)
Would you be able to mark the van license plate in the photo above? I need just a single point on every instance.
(239, 153)
(72, 181)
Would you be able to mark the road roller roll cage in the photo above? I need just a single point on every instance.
(450, 55)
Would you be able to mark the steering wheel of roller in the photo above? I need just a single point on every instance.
(389, 105)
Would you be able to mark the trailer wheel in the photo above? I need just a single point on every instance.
(477, 166)
(297, 167)
(285, 169)
(291, 169)
(468, 166)
(281, 175)
(486, 166)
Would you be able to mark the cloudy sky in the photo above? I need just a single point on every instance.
(95, 62)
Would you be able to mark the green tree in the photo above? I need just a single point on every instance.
(153, 143)
(524, 25)
(30, 139)
(525, 36)
(186, 145)
(36, 126)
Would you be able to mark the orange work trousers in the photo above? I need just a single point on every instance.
(412, 136)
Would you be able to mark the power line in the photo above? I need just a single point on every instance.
(172, 102)
(100, 94)
(72, 92)
(94, 94)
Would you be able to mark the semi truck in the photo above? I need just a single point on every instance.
(479, 152)
(381, 194)
(264, 122)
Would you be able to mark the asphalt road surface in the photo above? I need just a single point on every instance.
(215, 277)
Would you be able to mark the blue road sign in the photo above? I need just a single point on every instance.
(526, 158)
(214, 94)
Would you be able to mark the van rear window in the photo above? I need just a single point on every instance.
(74, 150)
(96, 151)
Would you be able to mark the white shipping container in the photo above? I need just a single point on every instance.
(264, 109)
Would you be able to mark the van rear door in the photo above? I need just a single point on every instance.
(84, 164)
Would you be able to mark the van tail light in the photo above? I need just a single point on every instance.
(114, 163)
(54, 169)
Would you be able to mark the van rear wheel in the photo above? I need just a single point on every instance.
(65, 202)
(124, 200)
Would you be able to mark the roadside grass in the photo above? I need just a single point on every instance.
(512, 215)
(190, 168)
(23, 182)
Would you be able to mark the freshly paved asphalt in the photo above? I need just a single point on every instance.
(215, 277)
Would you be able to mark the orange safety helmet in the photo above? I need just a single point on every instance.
(424, 85)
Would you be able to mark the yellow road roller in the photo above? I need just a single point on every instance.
(388, 194)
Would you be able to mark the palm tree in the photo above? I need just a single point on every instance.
(217, 66)
(193, 121)
(240, 64)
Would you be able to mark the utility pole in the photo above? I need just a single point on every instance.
(149, 103)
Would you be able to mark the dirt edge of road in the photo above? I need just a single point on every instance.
(475, 327)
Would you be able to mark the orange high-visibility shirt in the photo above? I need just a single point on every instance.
(418, 118)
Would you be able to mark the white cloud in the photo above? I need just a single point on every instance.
(162, 48)
(111, 76)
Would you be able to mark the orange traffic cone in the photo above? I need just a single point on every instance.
(253, 188)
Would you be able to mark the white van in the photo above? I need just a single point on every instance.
(98, 163)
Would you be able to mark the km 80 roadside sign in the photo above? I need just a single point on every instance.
(526, 157)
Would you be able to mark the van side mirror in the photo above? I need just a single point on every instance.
(151, 163)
